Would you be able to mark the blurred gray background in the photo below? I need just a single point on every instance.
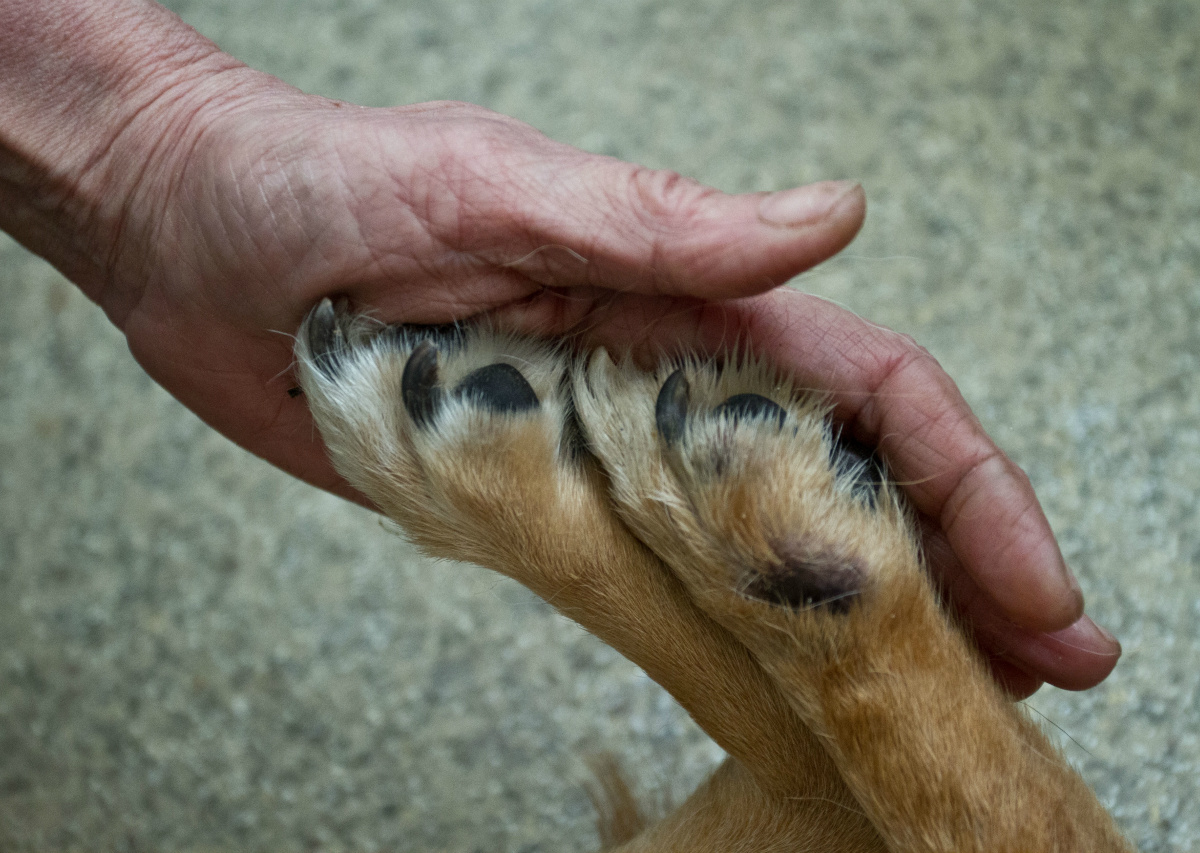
(197, 652)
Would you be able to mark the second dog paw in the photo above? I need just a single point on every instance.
(738, 481)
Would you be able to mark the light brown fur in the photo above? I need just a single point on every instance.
(863, 723)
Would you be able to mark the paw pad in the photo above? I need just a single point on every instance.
(671, 409)
(498, 387)
(750, 406)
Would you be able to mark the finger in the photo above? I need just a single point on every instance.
(1074, 658)
(1013, 680)
(893, 394)
(656, 233)
(502, 193)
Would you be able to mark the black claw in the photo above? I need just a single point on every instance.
(802, 583)
(671, 408)
(860, 465)
(419, 387)
(750, 406)
(499, 387)
(326, 340)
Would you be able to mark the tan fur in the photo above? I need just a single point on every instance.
(619, 816)
(866, 726)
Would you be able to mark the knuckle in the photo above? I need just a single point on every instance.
(901, 369)
(665, 200)
(905, 358)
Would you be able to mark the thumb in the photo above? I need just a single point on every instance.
(662, 234)
(562, 217)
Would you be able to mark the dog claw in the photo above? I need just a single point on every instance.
(671, 408)
(499, 387)
(326, 341)
(419, 387)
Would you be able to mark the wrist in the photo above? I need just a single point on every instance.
(97, 99)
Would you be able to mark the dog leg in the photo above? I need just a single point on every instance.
(797, 545)
(467, 439)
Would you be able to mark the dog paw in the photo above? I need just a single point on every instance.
(724, 537)
(454, 432)
(796, 543)
(469, 440)
(740, 482)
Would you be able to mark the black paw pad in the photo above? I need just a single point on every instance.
(749, 407)
(419, 387)
(326, 338)
(499, 387)
(860, 466)
(671, 408)
(674, 399)
(803, 583)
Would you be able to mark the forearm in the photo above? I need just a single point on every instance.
(96, 98)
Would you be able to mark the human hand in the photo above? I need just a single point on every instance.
(255, 201)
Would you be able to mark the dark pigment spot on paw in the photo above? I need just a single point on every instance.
(859, 465)
(326, 338)
(812, 580)
(671, 408)
(751, 406)
(499, 387)
(419, 387)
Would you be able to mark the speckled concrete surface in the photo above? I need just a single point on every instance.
(197, 652)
